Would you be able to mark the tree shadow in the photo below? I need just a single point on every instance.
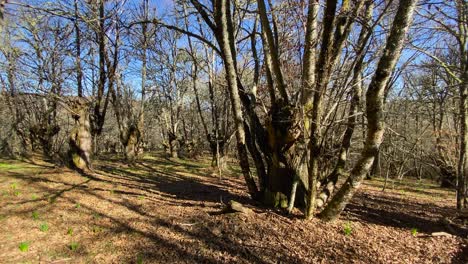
(206, 234)
(174, 184)
(391, 211)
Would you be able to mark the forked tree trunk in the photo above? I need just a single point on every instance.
(225, 40)
(80, 137)
(374, 110)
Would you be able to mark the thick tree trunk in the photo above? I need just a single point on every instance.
(80, 137)
(173, 150)
(132, 143)
(374, 110)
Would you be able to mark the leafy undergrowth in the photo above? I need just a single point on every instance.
(164, 211)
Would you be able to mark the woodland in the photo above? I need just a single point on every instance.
(233, 131)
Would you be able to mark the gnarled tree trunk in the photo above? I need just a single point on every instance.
(80, 136)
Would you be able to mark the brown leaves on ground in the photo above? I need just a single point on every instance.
(164, 211)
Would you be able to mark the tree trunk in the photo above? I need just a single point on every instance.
(2, 7)
(463, 159)
(462, 10)
(80, 137)
(132, 142)
(374, 110)
(173, 150)
(225, 41)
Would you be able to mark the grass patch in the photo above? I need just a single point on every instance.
(52, 199)
(73, 246)
(44, 227)
(139, 259)
(347, 229)
(35, 215)
(14, 186)
(23, 246)
(97, 229)
(97, 216)
(11, 166)
(70, 231)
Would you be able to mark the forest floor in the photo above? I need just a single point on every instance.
(167, 211)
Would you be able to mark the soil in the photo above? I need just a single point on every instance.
(169, 211)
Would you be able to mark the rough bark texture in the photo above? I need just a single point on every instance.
(132, 142)
(374, 109)
(80, 137)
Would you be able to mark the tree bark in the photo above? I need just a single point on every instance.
(323, 64)
(463, 159)
(80, 137)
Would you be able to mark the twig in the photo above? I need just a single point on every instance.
(60, 260)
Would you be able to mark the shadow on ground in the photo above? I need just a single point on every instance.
(163, 214)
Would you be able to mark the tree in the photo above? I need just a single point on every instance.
(374, 109)
(450, 18)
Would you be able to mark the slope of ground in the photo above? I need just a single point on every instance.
(166, 211)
